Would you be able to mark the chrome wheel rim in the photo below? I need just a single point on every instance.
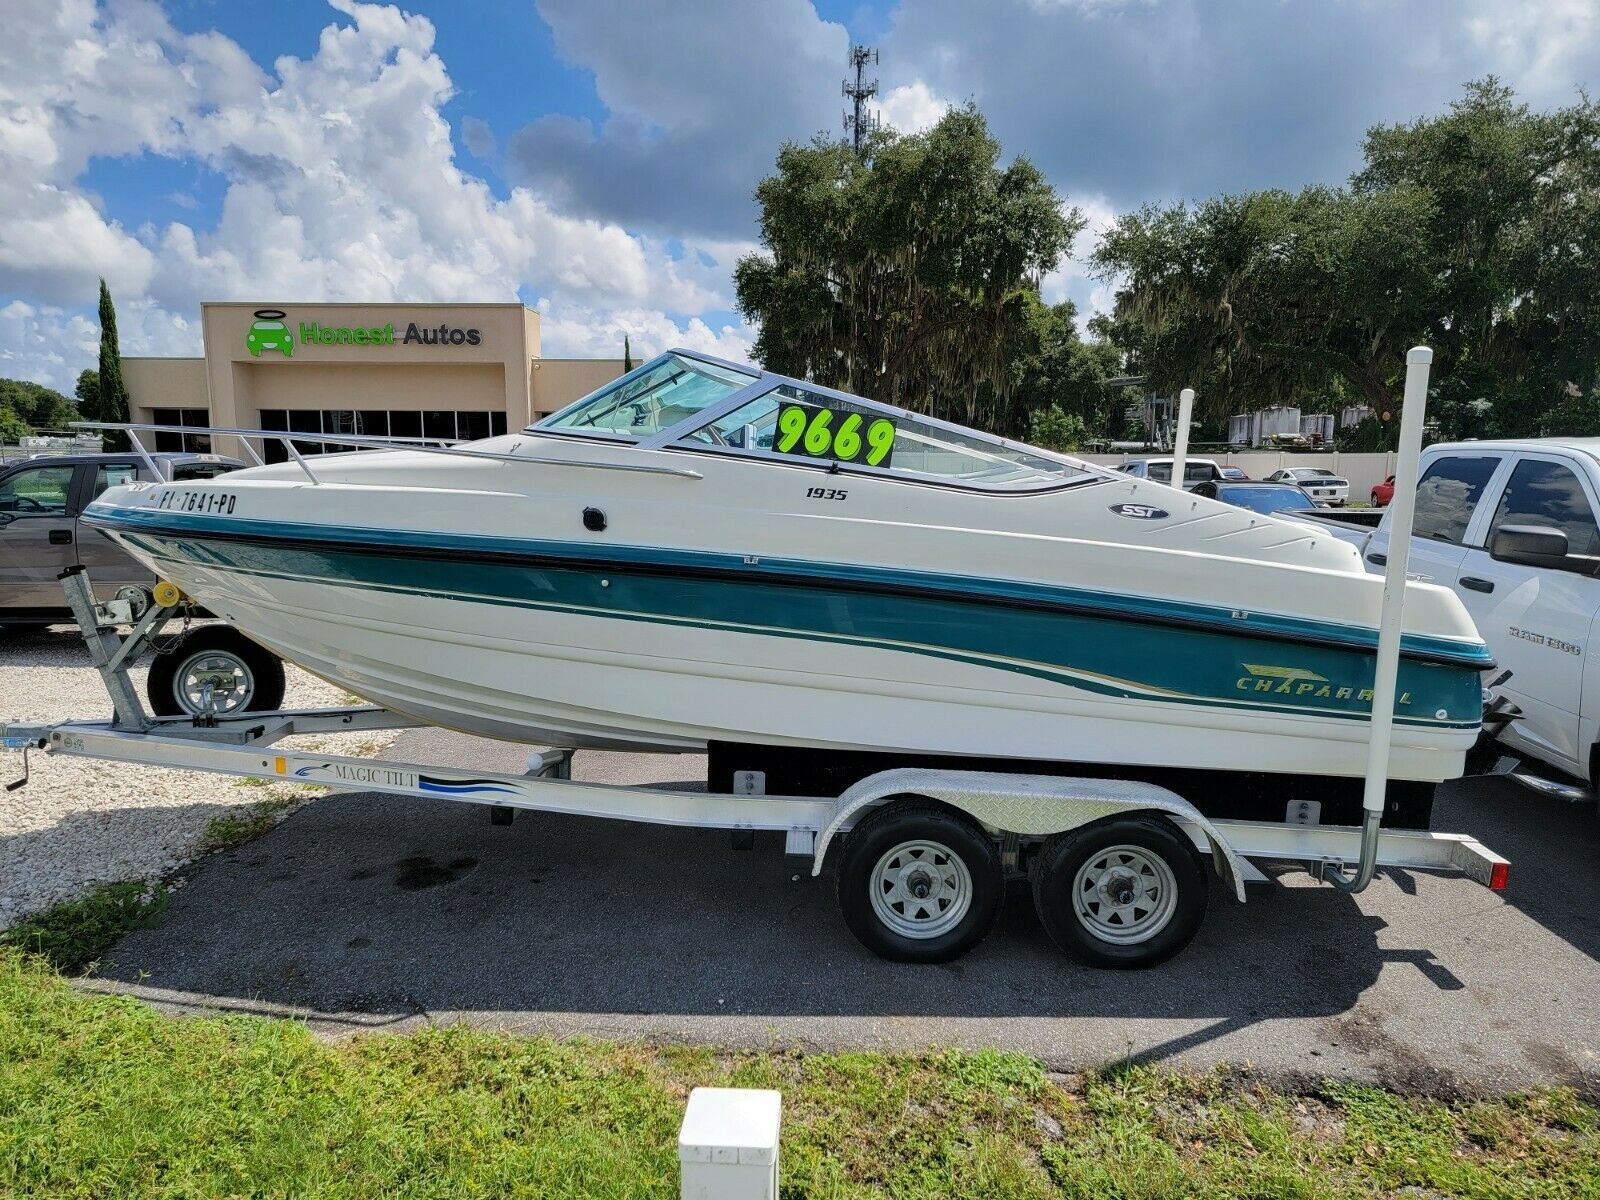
(921, 889)
(1125, 895)
(230, 681)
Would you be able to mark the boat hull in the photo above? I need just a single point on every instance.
(673, 651)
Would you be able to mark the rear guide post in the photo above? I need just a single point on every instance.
(1019, 812)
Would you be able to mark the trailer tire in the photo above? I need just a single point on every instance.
(222, 650)
(1125, 893)
(917, 883)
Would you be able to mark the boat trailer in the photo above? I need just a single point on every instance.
(1115, 864)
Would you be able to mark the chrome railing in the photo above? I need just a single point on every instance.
(288, 438)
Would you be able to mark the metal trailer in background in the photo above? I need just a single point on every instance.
(922, 855)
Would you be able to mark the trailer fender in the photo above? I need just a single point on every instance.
(1031, 805)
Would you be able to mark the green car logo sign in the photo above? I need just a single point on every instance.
(268, 332)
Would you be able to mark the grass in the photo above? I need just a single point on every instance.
(237, 828)
(103, 1096)
(70, 936)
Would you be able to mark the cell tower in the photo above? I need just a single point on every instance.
(859, 120)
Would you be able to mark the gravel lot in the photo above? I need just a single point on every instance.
(82, 822)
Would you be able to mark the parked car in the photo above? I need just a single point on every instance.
(41, 536)
(1235, 473)
(1382, 493)
(1286, 500)
(1511, 528)
(1195, 470)
(1321, 484)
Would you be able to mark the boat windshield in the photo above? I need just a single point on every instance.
(657, 396)
(793, 422)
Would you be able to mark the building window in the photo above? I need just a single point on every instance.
(179, 443)
(306, 421)
(440, 425)
(405, 424)
(272, 450)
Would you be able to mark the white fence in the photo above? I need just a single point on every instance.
(37, 446)
(1362, 470)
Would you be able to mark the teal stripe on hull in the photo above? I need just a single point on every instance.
(1474, 654)
(1103, 654)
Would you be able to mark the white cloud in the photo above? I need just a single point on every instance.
(572, 332)
(1181, 99)
(1072, 279)
(478, 138)
(1534, 44)
(911, 107)
(45, 344)
(50, 345)
(342, 184)
(699, 98)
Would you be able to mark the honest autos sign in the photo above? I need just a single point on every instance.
(271, 331)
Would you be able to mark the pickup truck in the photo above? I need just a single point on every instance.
(1195, 471)
(40, 534)
(1511, 527)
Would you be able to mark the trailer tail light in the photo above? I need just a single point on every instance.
(1499, 876)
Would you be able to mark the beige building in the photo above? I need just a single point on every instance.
(445, 371)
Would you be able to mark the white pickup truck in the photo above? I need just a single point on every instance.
(1511, 528)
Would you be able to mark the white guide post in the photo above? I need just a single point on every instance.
(1387, 671)
(1180, 436)
(728, 1144)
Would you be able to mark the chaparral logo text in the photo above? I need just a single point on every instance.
(1297, 681)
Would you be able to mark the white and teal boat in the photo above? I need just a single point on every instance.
(705, 553)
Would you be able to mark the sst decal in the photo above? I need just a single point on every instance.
(1141, 512)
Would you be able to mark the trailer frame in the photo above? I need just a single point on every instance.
(1019, 812)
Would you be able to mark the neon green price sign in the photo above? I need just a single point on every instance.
(835, 434)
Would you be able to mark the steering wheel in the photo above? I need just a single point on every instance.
(33, 505)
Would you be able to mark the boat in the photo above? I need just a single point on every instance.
(705, 554)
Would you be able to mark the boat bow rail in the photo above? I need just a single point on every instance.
(340, 442)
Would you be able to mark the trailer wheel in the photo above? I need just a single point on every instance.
(1126, 893)
(919, 884)
(242, 676)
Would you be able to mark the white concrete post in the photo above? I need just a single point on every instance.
(728, 1144)
(1180, 436)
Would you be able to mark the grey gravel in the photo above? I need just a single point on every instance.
(82, 822)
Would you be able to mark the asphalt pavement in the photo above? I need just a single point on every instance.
(364, 912)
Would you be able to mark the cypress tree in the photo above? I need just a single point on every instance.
(113, 400)
(627, 355)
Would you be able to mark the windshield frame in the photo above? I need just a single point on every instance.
(543, 425)
(673, 437)
(676, 439)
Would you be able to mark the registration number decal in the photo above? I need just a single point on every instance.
(195, 500)
(834, 433)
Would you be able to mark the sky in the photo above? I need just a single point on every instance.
(596, 158)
